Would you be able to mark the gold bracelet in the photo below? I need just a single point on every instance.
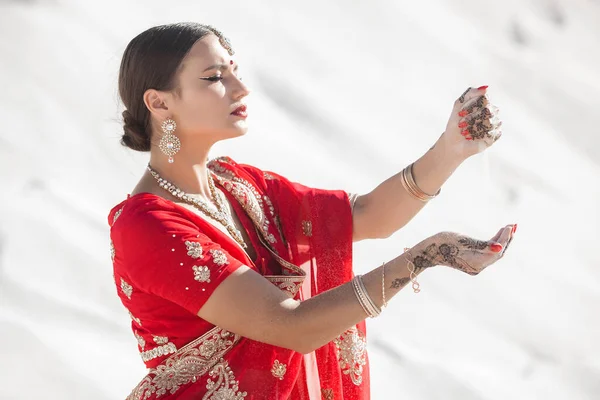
(383, 286)
(375, 311)
(359, 297)
(410, 185)
(413, 276)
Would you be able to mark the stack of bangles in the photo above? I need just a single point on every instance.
(368, 305)
(408, 181)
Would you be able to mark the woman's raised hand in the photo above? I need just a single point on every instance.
(473, 125)
(461, 252)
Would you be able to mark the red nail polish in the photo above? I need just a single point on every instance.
(496, 248)
(482, 87)
(514, 228)
(463, 113)
(462, 124)
(464, 132)
(469, 138)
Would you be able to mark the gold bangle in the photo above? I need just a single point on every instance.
(359, 297)
(375, 311)
(410, 185)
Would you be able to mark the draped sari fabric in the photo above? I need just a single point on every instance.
(168, 260)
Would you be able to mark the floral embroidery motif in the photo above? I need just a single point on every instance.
(160, 339)
(307, 228)
(327, 394)
(278, 370)
(351, 348)
(112, 250)
(224, 386)
(140, 339)
(268, 175)
(201, 273)
(159, 351)
(194, 249)
(219, 257)
(137, 320)
(117, 214)
(126, 288)
(186, 365)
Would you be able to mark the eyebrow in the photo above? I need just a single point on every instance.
(220, 67)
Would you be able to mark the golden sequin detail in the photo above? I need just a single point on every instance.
(133, 318)
(140, 339)
(327, 394)
(159, 351)
(194, 249)
(219, 257)
(188, 364)
(223, 385)
(351, 350)
(126, 288)
(117, 214)
(160, 339)
(278, 370)
(201, 273)
(112, 251)
(307, 228)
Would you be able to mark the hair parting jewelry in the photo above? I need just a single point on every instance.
(410, 185)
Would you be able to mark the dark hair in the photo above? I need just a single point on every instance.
(151, 61)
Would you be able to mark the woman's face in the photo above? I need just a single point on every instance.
(209, 90)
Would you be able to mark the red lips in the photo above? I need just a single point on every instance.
(241, 110)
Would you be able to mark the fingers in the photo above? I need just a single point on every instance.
(470, 93)
(482, 123)
(512, 233)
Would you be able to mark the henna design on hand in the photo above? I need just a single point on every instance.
(399, 282)
(473, 244)
(461, 99)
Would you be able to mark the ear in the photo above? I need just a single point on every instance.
(157, 103)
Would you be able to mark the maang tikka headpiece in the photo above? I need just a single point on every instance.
(169, 143)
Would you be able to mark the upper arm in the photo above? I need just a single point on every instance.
(166, 255)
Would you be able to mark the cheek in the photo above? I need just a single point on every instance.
(204, 106)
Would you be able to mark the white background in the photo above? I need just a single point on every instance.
(345, 94)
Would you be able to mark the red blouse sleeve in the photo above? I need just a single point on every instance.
(166, 255)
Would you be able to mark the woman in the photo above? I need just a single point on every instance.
(239, 282)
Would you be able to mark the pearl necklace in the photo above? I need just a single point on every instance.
(221, 215)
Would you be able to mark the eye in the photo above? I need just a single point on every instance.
(213, 78)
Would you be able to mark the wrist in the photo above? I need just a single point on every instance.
(447, 153)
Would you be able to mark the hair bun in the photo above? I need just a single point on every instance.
(134, 136)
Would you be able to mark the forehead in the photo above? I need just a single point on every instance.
(206, 52)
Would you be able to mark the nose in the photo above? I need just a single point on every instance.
(241, 90)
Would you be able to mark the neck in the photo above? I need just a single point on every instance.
(188, 172)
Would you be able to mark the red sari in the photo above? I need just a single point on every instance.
(168, 260)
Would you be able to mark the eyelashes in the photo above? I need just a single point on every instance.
(217, 78)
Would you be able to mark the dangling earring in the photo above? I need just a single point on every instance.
(169, 143)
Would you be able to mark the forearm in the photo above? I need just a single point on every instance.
(324, 317)
(389, 206)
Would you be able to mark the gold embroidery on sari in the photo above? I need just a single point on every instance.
(117, 214)
(187, 365)
(112, 251)
(159, 351)
(137, 320)
(140, 340)
(126, 288)
(290, 284)
(201, 273)
(224, 386)
(351, 349)
(307, 228)
(219, 257)
(160, 339)
(327, 394)
(194, 249)
(278, 370)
